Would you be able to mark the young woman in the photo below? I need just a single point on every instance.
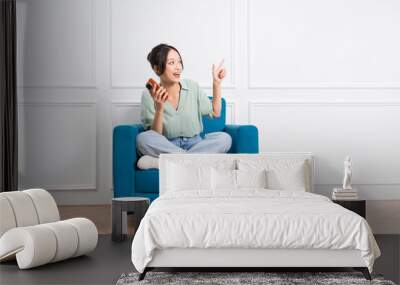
(172, 114)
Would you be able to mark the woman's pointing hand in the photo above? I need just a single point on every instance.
(219, 72)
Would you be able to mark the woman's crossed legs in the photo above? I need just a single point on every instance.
(152, 143)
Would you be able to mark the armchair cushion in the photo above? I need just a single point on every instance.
(124, 159)
(244, 138)
(146, 180)
(211, 125)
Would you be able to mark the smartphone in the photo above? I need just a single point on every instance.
(152, 83)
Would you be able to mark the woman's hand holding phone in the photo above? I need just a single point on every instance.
(158, 93)
(160, 96)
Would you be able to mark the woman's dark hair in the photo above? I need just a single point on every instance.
(158, 57)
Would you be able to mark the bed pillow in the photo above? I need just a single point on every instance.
(292, 178)
(282, 174)
(223, 179)
(181, 177)
(252, 178)
(193, 175)
(226, 179)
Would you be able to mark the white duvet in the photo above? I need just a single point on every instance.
(250, 218)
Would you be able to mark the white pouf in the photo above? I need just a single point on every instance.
(31, 232)
(7, 216)
(46, 207)
(67, 237)
(87, 233)
(32, 246)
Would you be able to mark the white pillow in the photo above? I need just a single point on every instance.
(182, 177)
(252, 178)
(282, 174)
(224, 179)
(287, 179)
(192, 174)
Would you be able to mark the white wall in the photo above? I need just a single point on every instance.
(318, 76)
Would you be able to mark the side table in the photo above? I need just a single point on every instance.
(123, 206)
(357, 206)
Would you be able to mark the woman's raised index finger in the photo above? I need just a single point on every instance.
(221, 63)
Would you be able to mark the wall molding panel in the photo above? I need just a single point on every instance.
(120, 118)
(56, 149)
(308, 31)
(42, 71)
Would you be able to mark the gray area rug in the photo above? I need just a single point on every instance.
(273, 278)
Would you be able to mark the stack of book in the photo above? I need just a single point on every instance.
(344, 194)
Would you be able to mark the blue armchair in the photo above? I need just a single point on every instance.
(130, 181)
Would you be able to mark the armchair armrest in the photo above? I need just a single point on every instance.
(124, 159)
(244, 138)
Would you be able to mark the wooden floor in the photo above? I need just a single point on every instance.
(99, 214)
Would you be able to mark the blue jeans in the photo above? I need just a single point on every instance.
(186, 143)
(153, 144)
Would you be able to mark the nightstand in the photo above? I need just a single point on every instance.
(357, 206)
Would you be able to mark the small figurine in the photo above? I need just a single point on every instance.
(347, 173)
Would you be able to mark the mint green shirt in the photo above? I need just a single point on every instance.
(186, 121)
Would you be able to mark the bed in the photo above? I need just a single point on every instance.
(248, 210)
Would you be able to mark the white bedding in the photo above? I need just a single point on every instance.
(251, 218)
